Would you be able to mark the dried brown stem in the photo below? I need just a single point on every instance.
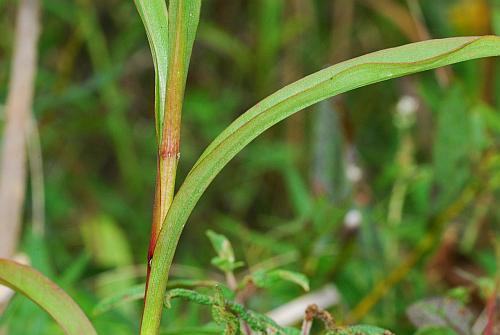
(18, 107)
(314, 312)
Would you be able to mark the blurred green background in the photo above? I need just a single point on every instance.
(399, 175)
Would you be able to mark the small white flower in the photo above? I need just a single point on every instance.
(407, 106)
(353, 218)
(354, 173)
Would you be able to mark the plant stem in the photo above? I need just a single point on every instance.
(168, 157)
(153, 302)
(169, 148)
(182, 24)
(17, 110)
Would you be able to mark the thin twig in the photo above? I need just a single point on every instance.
(18, 106)
(306, 326)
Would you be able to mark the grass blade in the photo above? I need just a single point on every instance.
(340, 78)
(361, 71)
(47, 295)
(154, 16)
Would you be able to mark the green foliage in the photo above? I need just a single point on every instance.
(225, 259)
(436, 331)
(360, 330)
(94, 103)
(183, 23)
(267, 279)
(337, 79)
(452, 167)
(47, 295)
(228, 313)
(155, 19)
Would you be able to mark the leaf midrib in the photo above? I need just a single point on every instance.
(355, 67)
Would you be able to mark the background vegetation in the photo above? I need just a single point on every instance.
(387, 193)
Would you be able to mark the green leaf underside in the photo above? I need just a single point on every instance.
(155, 19)
(225, 259)
(340, 78)
(268, 278)
(221, 245)
(47, 295)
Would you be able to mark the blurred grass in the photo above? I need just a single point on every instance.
(94, 105)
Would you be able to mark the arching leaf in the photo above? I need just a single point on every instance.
(47, 295)
(339, 78)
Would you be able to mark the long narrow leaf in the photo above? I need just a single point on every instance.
(47, 295)
(182, 25)
(345, 76)
(361, 71)
(154, 16)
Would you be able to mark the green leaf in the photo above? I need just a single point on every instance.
(266, 279)
(183, 18)
(221, 245)
(339, 78)
(154, 16)
(227, 313)
(183, 23)
(345, 76)
(436, 331)
(47, 295)
(360, 330)
(225, 259)
(222, 315)
(193, 296)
